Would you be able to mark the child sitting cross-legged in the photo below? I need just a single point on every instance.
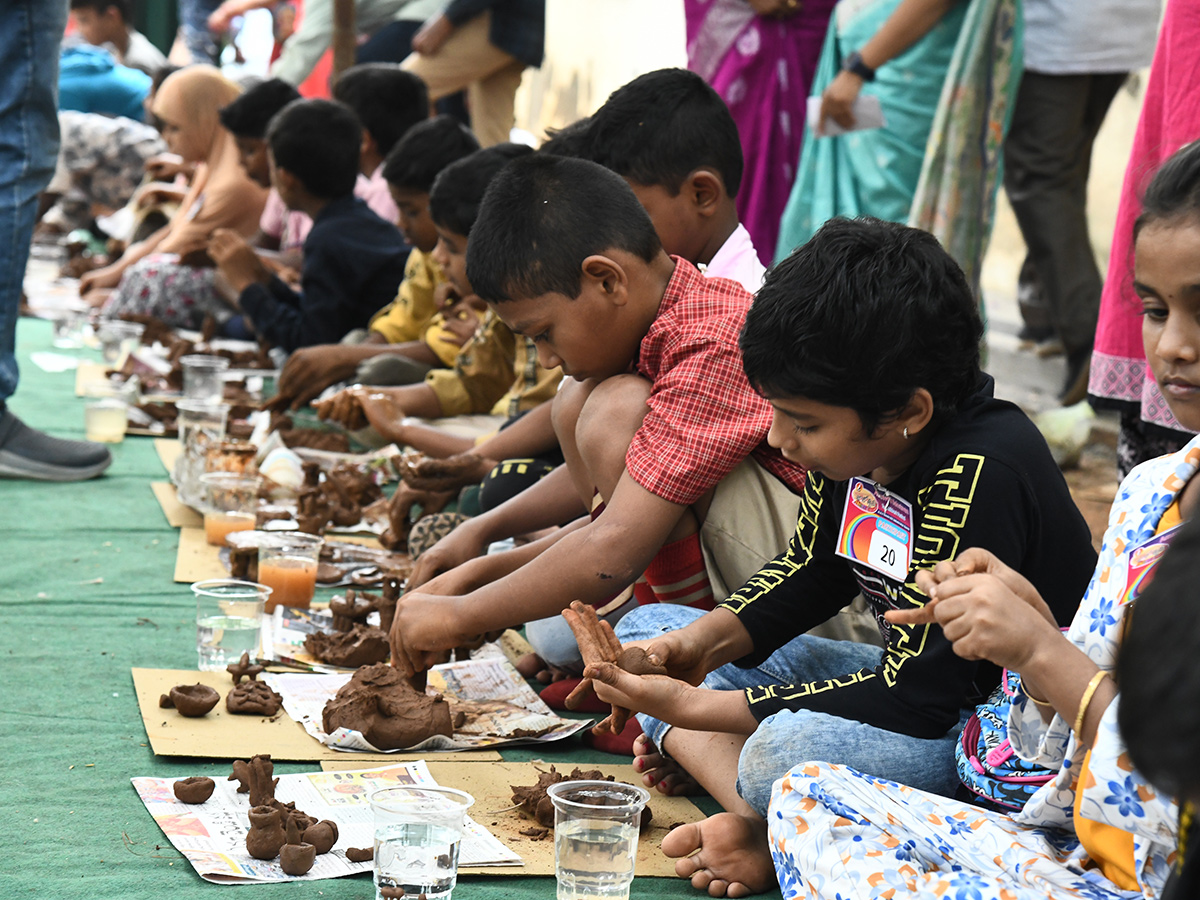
(865, 342)
(353, 260)
(1099, 829)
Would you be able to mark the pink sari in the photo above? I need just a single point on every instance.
(1170, 118)
(762, 67)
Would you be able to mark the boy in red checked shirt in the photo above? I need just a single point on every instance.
(664, 438)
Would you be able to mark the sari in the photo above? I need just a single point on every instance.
(762, 67)
(935, 164)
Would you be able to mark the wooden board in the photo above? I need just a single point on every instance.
(178, 515)
(224, 736)
(491, 786)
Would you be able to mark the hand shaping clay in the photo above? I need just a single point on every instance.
(362, 645)
(194, 790)
(191, 700)
(252, 698)
(243, 668)
(388, 711)
(360, 854)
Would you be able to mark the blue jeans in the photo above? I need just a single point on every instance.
(30, 34)
(193, 21)
(553, 640)
(788, 738)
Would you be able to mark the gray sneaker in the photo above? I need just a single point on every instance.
(28, 453)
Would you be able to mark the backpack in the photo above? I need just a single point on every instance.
(987, 765)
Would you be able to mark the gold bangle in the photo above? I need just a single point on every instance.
(1086, 700)
(1045, 704)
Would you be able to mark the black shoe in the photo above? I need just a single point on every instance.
(28, 453)
(1079, 367)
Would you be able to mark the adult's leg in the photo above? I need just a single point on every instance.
(30, 32)
(193, 22)
(1047, 156)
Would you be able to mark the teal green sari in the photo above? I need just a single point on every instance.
(936, 163)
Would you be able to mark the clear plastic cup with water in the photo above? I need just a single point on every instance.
(204, 377)
(201, 425)
(418, 832)
(228, 621)
(118, 338)
(596, 827)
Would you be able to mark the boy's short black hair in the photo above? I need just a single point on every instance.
(1159, 715)
(570, 140)
(458, 190)
(122, 6)
(425, 150)
(249, 115)
(542, 217)
(318, 141)
(861, 316)
(387, 100)
(662, 126)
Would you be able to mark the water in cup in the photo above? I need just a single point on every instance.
(221, 640)
(594, 859)
(416, 859)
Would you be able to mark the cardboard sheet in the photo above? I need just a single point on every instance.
(168, 450)
(87, 373)
(223, 736)
(490, 785)
(178, 515)
(197, 559)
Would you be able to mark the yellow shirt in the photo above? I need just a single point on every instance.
(533, 385)
(482, 371)
(408, 316)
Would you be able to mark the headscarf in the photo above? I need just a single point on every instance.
(221, 195)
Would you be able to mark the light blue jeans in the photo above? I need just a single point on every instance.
(553, 640)
(788, 738)
(30, 34)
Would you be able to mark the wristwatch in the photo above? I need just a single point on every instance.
(854, 63)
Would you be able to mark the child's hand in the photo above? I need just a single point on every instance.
(682, 659)
(659, 696)
(236, 259)
(461, 323)
(308, 371)
(424, 626)
(344, 409)
(168, 166)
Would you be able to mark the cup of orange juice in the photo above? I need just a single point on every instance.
(230, 503)
(287, 563)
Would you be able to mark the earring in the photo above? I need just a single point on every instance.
(906, 432)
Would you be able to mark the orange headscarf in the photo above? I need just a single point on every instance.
(221, 196)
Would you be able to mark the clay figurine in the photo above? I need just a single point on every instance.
(254, 777)
(253, 698)
(243, 667)
(296, 856)
(266, 834)
(386, 709)
(362, 645)
(387, 603)
(351, 609)
(191, 700)
(360, 854)
(535, 803)
(196, 789)
(323, 835)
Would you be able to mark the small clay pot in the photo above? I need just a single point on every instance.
(194, 790)
(296, 859)
(266, 834)
(360, 854)
(194, 700)
(323, 835)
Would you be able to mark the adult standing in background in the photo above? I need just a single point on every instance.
(759, 55)
(199, 39)
(482, 46)
(1078, 53)
(30, 33)
(1170, 118)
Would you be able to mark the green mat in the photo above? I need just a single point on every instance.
(86, 594)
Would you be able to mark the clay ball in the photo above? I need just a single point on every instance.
(193, 700)
(194, 790)
(360, 854)
(323, 835)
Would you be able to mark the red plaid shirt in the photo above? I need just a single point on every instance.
(704, 417)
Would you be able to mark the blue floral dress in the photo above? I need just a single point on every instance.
(837, 833)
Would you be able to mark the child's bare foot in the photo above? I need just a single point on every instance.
(660, 772)
(530, 664)
(726, 855)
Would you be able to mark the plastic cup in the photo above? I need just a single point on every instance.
(418, 831)
(105, 419)
(204, 377)
(200, 426)
(228, 621)
(68, 327)
(595, 837)
(118, 338)
(287, 562)
(230, 504)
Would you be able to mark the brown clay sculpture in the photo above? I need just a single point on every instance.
(362, 645)
(351, 609)
(266, 834)
(534, 802)
(296, 856)
(360, 854)
(388, 711)
(386, 604)
(597, 644)
(252, 698)
(243, 668)
(191, 700)
(254, 778)
(196, 789)
(323, 835)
